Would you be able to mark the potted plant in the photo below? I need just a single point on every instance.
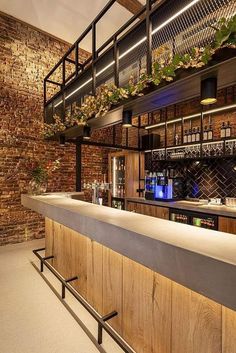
(39, 173)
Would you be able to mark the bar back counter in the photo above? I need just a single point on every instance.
(172, 285)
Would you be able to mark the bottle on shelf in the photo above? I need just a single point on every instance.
(223, 131)
(198, 134)
(194, 135)
(176, 139)
(190, 136)
(205, 134)
(228, 130)
(210, 133)
(185, 140)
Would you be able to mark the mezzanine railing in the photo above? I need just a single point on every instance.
(178, 25)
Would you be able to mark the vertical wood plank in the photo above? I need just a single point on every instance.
(112, 286)
(146, 306)
(49, 239)
(94, 275)
(228, 330)
(196, 322)
(227, 225)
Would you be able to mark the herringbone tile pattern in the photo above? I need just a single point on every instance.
(203, 179)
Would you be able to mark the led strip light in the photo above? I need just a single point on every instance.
(177, 14)
(221, 109)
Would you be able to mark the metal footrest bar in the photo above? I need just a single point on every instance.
(105, 318)
(63, 288)
(100, 320)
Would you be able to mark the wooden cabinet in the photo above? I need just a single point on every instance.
(125, 170)
(227, 225)
(148, 210)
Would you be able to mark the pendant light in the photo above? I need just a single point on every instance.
(62, 139)
(87, 132)
(209, 91)
(127, 118)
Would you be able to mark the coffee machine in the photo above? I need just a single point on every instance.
(163, 186)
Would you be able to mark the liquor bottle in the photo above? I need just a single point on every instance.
(222, 131)
(189, 136)
(176, 139)
(198, 134)
(205, 133)
(186, 136)
(194, 135)
(228, 130)
(210, 133)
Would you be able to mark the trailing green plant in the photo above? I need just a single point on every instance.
(225, 32)
(164, 69)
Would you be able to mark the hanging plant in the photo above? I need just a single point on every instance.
(164, 69)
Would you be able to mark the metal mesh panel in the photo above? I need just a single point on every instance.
(192, 27)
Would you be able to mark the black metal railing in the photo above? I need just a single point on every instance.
(178, 25)
(101, 320)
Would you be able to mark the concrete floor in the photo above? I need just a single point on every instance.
(32, 318)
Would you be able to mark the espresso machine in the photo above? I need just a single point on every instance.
(163, 186)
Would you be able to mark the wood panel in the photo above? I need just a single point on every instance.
(227, 225)
(146, 309)
(196, 322)
(94, 275)
(228, 330)
(149, 210)
(112, 286)
(49, 238)
(155, 314)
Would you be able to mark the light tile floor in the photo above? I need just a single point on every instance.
(32, 317)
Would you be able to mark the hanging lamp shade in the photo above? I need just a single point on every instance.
(209, 91)
(127, 118)
(87, 132)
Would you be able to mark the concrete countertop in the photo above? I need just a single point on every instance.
(194, 206)
(200, 259)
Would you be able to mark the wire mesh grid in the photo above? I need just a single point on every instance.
(192, 28)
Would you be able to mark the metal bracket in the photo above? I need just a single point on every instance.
(63, 287)
(45, 258)
(105, 318)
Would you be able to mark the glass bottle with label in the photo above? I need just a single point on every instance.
(198, 134)
(186, 136)
(190, 136)
(222, 131)
(228, 130)
(194, 135)
(205, 133)
(210, 133)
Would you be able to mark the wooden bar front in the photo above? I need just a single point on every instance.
(155, 314)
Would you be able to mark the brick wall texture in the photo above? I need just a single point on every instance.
(26, 56)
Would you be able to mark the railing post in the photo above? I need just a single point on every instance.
(94, 56)
(149, 36)
(116, 59)
(76, 58)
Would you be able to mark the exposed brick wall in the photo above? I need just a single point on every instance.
(26, 56)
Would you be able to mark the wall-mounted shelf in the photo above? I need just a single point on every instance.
(224, 148)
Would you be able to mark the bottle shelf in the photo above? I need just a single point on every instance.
(220, 148)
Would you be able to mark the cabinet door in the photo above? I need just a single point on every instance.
(227, 225)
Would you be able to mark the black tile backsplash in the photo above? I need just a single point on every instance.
(202, 179)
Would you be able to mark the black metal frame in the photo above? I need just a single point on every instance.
(101, 320)
(111, 43)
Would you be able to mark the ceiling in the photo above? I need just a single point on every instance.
(67, 19)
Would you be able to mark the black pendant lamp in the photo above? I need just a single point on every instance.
(127, 118)
(87, 132)
(209, 91)
(62, 139)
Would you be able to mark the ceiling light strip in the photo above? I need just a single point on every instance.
(133, 47)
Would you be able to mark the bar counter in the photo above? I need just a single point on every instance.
(219, 210)
(200, 259)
